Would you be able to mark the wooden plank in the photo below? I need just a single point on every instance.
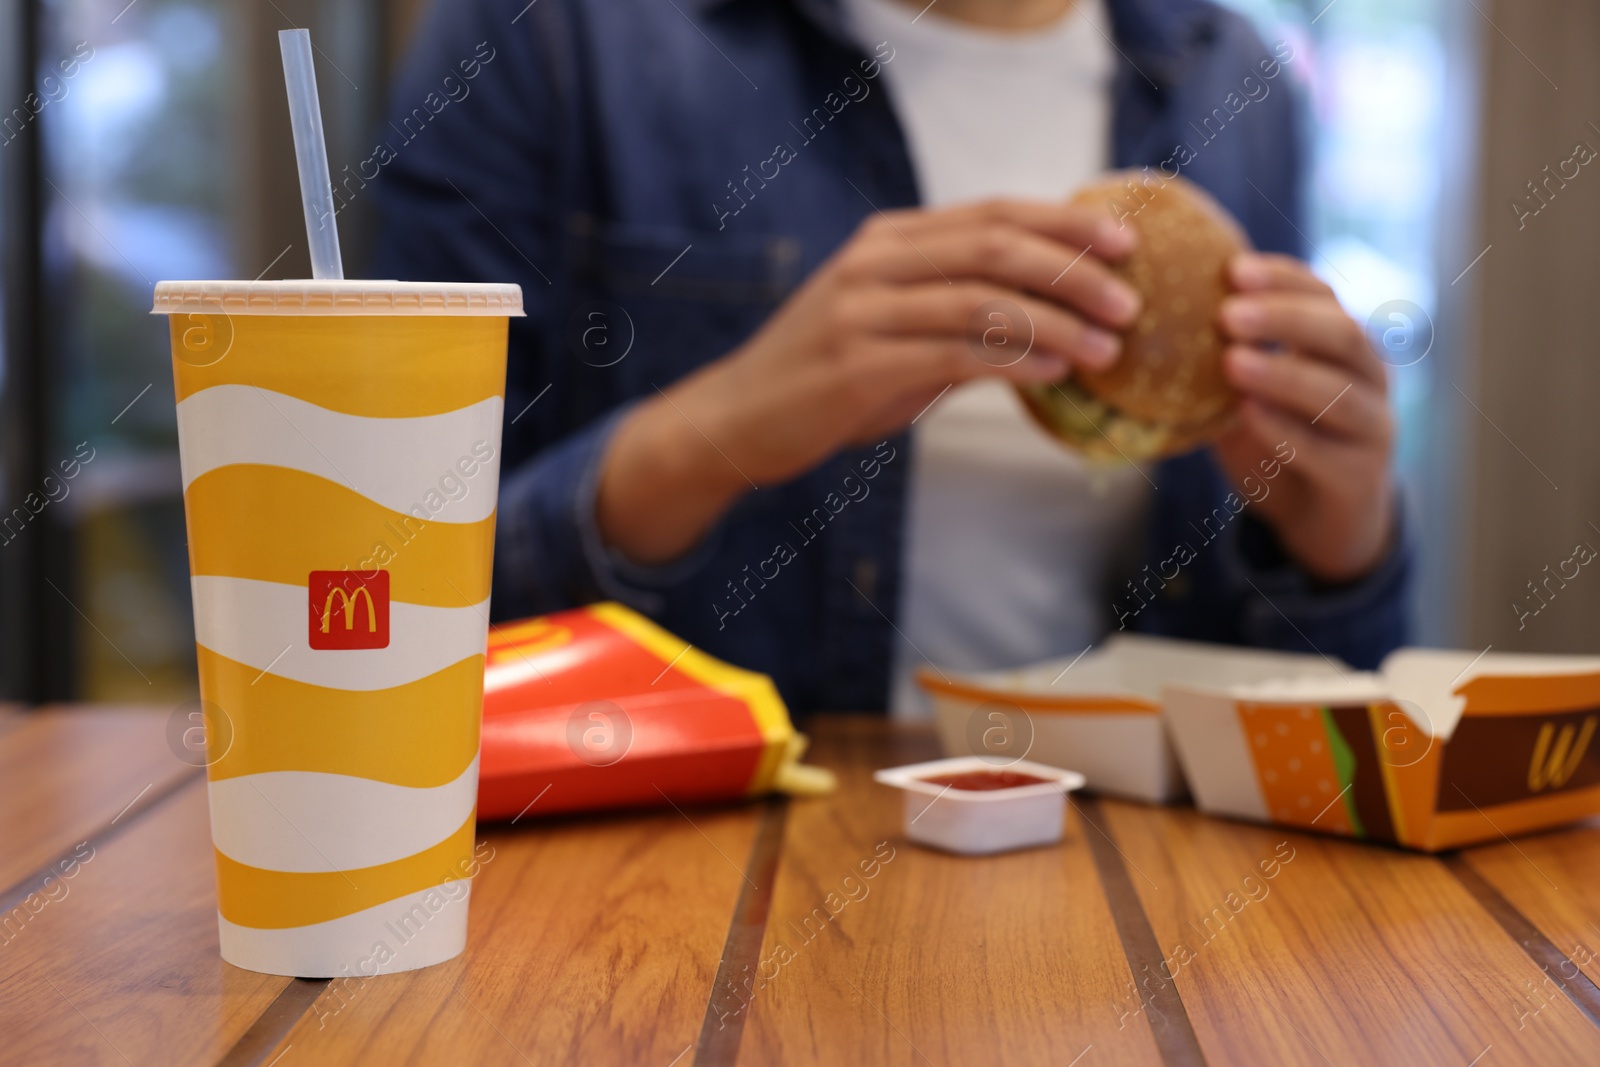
(69, 772)
(591, 940)
(121, 964)
(1554, 880)
(937, 958)
(1351, 953)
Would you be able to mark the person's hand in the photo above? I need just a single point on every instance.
(1309, 379)
(895, 317)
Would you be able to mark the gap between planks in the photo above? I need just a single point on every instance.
(718, 1045)
(1174, 1034)
(274, 1024)
(106, 832)
(1583, 993)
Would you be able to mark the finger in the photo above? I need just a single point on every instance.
(1319, 393)
(1069, 223)
(1316, 325)
(1008, 256)
(896, 366)
(1260, 271)
(1000, 323)
(1313, 454)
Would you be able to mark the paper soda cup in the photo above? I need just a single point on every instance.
(340, 446)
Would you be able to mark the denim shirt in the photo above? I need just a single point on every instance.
(658, 176)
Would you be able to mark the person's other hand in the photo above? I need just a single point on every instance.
(1309, 379)
(896, 316)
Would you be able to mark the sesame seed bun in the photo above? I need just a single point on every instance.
(1167, 392)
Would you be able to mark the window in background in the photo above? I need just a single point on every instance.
(136, 171)
(164, 157)
(1374, 74)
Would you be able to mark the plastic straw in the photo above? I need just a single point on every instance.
(311, 153)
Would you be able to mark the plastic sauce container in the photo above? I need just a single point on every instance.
(971, 806)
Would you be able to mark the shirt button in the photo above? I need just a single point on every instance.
(865, 577)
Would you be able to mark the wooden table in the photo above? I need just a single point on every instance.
(639, 938)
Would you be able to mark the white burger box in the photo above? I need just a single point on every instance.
(1099, 714)
(1437, 750)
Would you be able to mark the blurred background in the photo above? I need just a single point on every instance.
(156, 145)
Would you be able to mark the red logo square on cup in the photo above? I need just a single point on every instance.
(349, 609)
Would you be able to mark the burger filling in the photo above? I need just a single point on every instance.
(1092, 426)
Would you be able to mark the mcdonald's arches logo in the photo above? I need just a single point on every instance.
(1556, 755)
(349, 609)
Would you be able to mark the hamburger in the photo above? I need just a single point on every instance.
(1167, 392)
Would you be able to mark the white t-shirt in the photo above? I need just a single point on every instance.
(1011, 539)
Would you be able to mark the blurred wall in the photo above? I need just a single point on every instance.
(1528, 406)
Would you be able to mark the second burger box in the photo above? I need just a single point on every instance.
(1437, 750)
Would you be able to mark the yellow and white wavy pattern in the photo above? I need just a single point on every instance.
(346, 799)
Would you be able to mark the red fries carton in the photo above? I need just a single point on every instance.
(601, 708)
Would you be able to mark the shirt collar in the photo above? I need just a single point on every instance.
(1159, 37)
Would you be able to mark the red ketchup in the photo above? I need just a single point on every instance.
(985, 781)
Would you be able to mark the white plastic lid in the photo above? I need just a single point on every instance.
(349, 297)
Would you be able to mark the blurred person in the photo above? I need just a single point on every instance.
(753, 237)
